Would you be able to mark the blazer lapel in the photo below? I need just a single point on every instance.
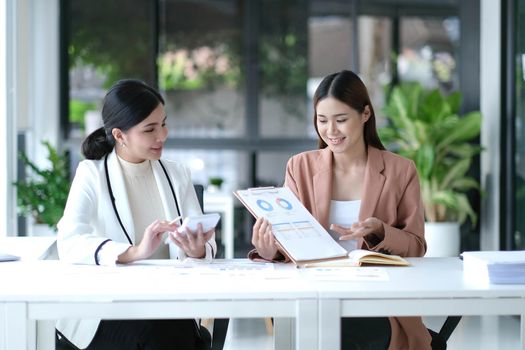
(322, 182)
(168, 202)
(374, 181)
(121, 195)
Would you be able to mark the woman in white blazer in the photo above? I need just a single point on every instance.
(122, 201)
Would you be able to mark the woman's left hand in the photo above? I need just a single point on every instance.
(361, 229)
(192, 242)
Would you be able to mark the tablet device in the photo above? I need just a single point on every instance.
(208, 221)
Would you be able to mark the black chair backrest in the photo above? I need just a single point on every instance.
(199, 190)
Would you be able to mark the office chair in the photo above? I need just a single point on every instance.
(439, 340)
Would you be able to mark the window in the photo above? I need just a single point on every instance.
(200, 68)
(518, 231)
(238, 76)
(429, 52)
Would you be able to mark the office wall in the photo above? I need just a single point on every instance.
(7, 130)
(490, 97)
(30, 90)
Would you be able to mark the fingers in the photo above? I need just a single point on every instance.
(256, 230)
(192, 242)
(263, 239)
(358, 229)
(262, 233)
(158, 227)
(347, 233)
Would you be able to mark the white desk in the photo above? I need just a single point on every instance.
(28, 248)
(48, 290)
(431, 287)
(222, 203)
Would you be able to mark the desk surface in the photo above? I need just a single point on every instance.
(27, 248)
(150, 280)
(47, 290)
(426, 278)
(239, 278)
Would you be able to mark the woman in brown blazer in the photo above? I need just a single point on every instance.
(365, 196)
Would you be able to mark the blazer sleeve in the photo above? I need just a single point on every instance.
(78, 240)
(406, 236)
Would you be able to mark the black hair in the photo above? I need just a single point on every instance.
(127, 103)
(346, 87)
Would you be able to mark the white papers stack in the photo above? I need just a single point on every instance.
(497, 267)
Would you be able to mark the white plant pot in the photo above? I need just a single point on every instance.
(443, 239)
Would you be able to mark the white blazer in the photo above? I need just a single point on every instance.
(89, 231)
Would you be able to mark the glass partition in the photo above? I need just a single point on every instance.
(519, 127)
(200, 67)
(429, 52)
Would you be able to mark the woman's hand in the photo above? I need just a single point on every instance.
(193, 243)
(263, 240)
(150, 242)
(361, 229)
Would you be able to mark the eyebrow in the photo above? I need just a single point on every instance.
(153, 124)
(335, 115)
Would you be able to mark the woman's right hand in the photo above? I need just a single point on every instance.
(153, 237)
(263, 240)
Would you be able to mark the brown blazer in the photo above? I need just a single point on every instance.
(391, 193)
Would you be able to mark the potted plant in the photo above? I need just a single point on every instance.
(43, 194)
(215, 183)
(425, 126)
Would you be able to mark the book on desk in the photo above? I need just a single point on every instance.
(300, 236)
(496, 267)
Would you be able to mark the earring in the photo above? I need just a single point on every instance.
(123, 144)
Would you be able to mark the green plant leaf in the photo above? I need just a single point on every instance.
(465, 184)
(465, 129)
(43, 194)
(434, 108)
(454, 101)
(465, 209)
(424, 160)
(424, 125)
(458, 170)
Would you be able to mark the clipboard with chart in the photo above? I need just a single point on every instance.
(300, 236)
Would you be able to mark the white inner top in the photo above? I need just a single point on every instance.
(144, 200)
(344, 213)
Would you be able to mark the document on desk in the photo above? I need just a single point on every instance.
(342, 274)
(298, 233)
(497, 267)
(218, 268)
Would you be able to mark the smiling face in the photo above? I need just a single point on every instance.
(145, 140)
(339, 125)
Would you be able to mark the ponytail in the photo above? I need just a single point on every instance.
(97, 145)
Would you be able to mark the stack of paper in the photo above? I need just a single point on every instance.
(498, 267)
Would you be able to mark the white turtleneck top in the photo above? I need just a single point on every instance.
(144, 200)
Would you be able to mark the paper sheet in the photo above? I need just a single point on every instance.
(299, 233)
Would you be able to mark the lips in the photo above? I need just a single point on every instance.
(336, 141)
